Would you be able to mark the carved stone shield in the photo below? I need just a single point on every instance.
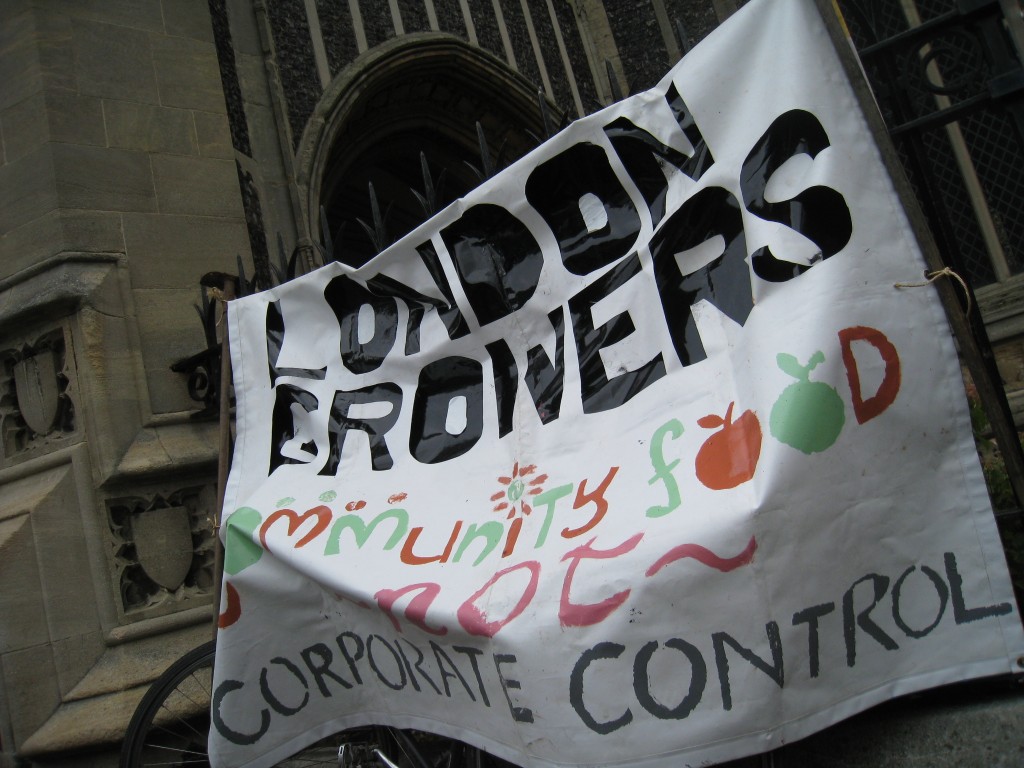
(37, 389)
(163, 544)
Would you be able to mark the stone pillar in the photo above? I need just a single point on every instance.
(118, 190)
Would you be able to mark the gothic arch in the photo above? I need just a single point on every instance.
(422, 92)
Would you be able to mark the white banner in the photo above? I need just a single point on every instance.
(633, 456)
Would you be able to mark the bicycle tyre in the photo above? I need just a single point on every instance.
(172, 722)
(171, 725)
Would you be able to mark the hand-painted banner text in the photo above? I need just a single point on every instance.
(637, 439)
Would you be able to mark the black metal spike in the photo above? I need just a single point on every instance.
(378, 220)
(476, 171)
(684, 39)
(613, 81)
(328, 242)
(376, 231)
(499, 159)
(428, 198)
(282, 256)
(544, 114)
(428, 184)
(369, 233)
(208, 316)
(278, 270)
(485, 155)
(244, 287)
(293, 262)
(425, 205)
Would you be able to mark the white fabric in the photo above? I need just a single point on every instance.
(679, 591)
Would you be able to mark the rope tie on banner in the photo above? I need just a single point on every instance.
(933, 276)
(218, 295)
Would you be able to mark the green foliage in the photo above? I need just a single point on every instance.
(1011, 519)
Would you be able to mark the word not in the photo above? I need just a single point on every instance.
(525, 577)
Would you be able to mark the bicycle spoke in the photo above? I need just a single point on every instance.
(171, 722)
(179, 744)
(195, 702)
(187, 756)
(205, 682)
(168, 748)
(185, 724)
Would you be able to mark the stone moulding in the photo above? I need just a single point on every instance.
(189, 446)
(55, 287)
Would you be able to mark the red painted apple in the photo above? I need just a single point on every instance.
(729, 457)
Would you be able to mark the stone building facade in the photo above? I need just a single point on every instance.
(147, 142)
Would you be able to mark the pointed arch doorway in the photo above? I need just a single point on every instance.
(424, 94)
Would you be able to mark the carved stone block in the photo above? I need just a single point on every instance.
(162, 550)
(37, 407)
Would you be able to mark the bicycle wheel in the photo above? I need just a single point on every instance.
(172, 722)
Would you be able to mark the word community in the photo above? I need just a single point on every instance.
(288, 684)
(499, 262)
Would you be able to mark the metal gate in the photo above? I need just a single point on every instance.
(948, 78)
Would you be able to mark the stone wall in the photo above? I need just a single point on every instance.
(319, 53)
(119, 188)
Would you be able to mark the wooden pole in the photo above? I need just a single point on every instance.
(224, 450)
